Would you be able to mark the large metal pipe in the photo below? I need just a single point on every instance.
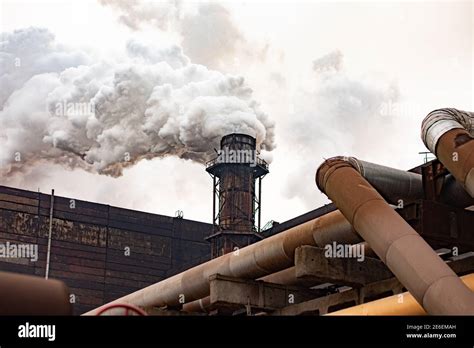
(30, 295)
(393, 184)
(198, 306)
(274, 253)
(254, 261)
(449, 134)
(454, 194)
(433, 284)
(400, 304)
(284, 277)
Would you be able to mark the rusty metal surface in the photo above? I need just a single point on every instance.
(440, 185)
(445, 226)
(407, 255)
(236, 193)
(440, 121)
(89, 243)
(198, 306)
(458, 157)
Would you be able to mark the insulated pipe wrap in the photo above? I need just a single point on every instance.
(440, 121)
(449, 134)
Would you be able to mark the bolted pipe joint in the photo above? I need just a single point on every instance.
(449, 134)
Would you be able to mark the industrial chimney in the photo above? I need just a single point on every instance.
(236, 193)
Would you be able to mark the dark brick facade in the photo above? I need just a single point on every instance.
(90, 244)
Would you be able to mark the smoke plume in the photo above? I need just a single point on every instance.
(339, 112)
(209, 35)
(29, 52)
(105, 116)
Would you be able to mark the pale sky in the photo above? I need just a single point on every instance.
(423, 48)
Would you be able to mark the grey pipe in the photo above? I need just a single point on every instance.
(398, 186)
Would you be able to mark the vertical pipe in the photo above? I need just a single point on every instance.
(213, 203)
(259, 202)
(48, 254)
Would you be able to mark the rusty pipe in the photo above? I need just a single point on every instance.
(29, 295)
(198, 306)
(254, 261)
(433, 284)
(399, 304)
(449, 134)
(284, 277)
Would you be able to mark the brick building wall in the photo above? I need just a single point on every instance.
(101, 252)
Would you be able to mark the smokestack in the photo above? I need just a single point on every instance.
(237, 174)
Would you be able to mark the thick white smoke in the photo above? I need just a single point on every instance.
(29, 52)
(209, 34)
(106, 116)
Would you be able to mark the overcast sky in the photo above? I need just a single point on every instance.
(336, 78)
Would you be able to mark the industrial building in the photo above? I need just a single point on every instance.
(101, 252)
(393, 242)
